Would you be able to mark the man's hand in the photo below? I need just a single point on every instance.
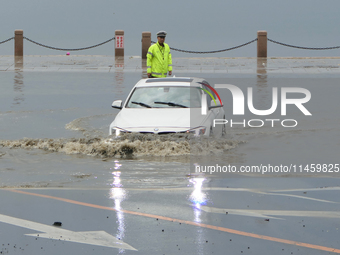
(149, 75)
(170, 73)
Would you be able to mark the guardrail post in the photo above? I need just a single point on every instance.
(18, 43)
(119, 44)
(146, 43)
(261, 44)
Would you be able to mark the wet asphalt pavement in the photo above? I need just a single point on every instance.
(173, 221)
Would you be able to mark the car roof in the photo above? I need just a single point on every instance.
(171, 81)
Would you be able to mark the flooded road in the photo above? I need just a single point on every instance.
(143, 189)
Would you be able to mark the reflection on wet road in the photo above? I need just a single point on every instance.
(118, 194)
(19, 88)
(198, 198)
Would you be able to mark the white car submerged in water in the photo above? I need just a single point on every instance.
(169, 105)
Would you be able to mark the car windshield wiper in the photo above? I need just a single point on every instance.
(141, 104)
(172, 104)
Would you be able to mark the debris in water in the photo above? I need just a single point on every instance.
(57, 224)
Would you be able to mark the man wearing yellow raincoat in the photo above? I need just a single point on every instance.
(159, 61)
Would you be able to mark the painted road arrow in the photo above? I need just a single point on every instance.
(100, 238)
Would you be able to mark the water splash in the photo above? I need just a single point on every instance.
(128, 145)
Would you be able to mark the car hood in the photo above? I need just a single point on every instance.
(160, 117)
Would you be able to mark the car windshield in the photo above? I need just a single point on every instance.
(165, 97)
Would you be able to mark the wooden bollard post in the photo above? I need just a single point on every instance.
(119, 45)
(146, 43)
(18, 43)
(262, 44)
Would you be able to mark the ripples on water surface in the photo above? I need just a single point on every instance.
(65, 117)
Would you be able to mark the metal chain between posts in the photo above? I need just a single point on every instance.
(54, 48)
(7, 40)
(185, 51)
(214, 51)
(304, 48)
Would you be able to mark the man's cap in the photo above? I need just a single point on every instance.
(161, 33)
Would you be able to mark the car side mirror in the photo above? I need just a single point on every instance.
(215, 105)
(117, 104)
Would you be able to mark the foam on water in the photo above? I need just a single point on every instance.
(129, 145)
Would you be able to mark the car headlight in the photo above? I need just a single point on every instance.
(118, 131)
(197, 131)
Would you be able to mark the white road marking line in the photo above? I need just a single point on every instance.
(265, 213)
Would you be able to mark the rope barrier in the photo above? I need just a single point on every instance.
(304, 48)
(214, 51)
(54, 48)
(7, 40)
(180, 50)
